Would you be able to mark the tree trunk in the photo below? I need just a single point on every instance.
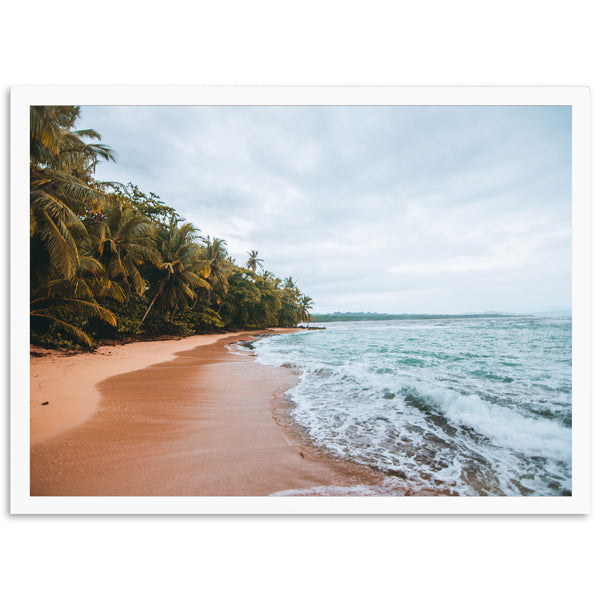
(161, 287)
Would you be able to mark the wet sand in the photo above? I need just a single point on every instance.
(126, 422)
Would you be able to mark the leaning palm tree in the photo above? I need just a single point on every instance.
(177, 270)
(253, 261)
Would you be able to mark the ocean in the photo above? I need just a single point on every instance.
(468, 406)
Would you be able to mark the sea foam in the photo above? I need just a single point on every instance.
(465, 406)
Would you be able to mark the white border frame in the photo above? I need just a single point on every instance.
(22, 97)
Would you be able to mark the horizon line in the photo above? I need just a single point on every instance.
(482, 312)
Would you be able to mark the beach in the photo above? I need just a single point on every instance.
(171, 418)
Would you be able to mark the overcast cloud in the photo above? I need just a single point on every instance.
(386, 209)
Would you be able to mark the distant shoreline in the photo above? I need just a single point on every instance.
(368, 316)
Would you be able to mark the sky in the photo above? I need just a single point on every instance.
(398, 209)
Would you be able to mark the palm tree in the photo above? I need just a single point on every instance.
(177, 272)
(215, 265)
(53, 140)
(253, 261)
(123, 241)
(62, 190)
(63, 276)
(306, 304)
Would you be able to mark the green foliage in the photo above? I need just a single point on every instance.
(158, 325)
(148, 205)
(54, 338)
(109, 261)
(201, 319)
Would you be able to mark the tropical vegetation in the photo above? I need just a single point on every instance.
(109, 261)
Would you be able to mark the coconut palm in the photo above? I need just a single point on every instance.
(215, 266)
(306, 304)
(180, 260)
(122, 239)
(253, 261)
(61, 187)
(54, 142)
(289, 283)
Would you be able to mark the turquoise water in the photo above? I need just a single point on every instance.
(465, 406)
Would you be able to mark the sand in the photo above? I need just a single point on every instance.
(170, 418)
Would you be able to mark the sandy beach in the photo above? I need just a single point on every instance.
(170, 418)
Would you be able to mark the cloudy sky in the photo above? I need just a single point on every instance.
(384, 209)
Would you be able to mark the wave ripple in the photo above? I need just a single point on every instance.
(461, 406)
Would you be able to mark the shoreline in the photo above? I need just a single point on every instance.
(171, 418)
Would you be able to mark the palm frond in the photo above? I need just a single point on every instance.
(61, 247)
(77, 333)
(89, 133)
